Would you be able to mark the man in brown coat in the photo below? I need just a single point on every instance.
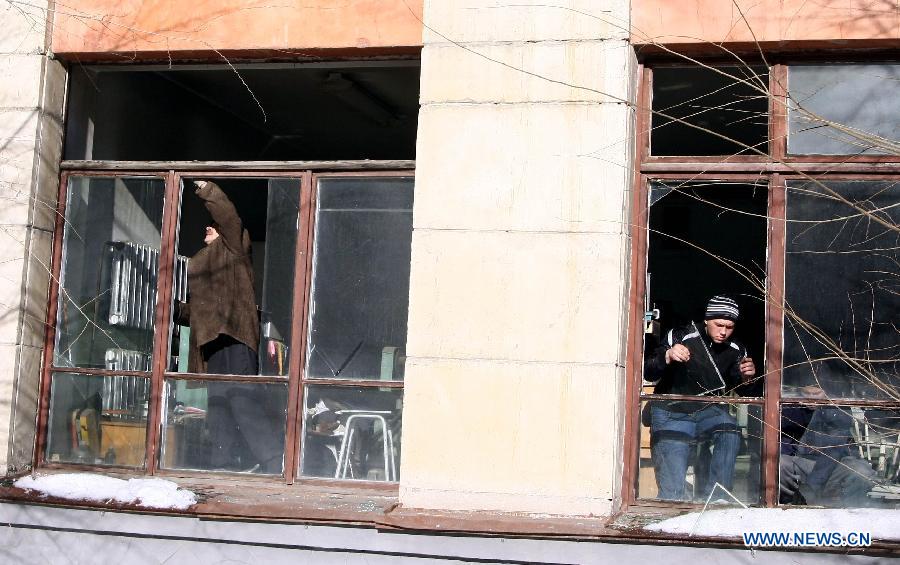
(245, 425)
(222, 311)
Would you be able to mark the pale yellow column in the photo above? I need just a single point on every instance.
(519, 260)
(32, 89)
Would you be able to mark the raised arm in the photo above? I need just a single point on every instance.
(223, 213)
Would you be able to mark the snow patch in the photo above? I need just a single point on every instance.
(149, 493)
(881, 524)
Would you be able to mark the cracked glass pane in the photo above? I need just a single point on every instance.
(110, 262)
(360, 288)
(692, 451)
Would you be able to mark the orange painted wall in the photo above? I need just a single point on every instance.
(202, 27)
(771, 21)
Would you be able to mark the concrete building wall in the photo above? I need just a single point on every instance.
(136, 28)
(519, 275)
(519, 260)
(32, 89)
(833, 22)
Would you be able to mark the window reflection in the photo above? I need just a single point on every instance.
(840, 331)
(843, 109)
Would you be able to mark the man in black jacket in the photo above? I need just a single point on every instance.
(697, 361)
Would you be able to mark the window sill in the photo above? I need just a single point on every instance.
(375, 507)
(372, 505)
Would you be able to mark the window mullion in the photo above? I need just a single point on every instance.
(774, 339)
(302, 268)
(50, 339)
(778, 127)
(163, 317)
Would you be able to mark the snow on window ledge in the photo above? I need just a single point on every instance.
(881, 524)
(148, 493)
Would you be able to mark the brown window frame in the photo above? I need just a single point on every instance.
(307, 174)
(776, 169)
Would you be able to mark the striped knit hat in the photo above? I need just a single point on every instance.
(722, 308)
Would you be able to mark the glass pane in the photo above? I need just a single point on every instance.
(844, 109)
(352, 433)
(687, 447)
(839, 456)
(107, 299)
(224, 426)
(360, 292)
(97, 420)
(235, 293)
(700, 111)
(840, 332)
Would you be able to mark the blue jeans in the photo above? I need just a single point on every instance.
(674, 437)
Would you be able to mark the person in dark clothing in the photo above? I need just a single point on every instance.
(699, 361)
(244, 427)
(817, 465)
(222, 308)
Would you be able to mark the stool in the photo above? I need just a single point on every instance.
(354, 418)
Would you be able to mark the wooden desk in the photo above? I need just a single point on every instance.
(127, 439)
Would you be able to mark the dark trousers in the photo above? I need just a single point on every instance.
(245, 421)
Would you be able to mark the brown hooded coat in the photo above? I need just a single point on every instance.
(220, 282)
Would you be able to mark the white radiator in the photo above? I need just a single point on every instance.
(127, 360)
(134, 269)
(125, 398)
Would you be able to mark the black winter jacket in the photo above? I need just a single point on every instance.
(713, 369)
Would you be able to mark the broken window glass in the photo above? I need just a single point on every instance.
(267, 211)
(707, 238)
(108, 280)
(692, 451)
(360, 288)
(243, 112)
